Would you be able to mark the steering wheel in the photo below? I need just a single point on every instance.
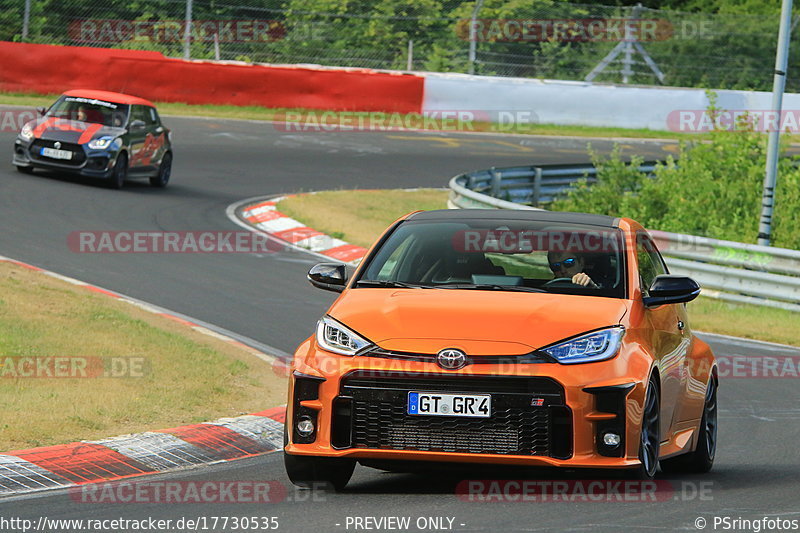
(561, 282)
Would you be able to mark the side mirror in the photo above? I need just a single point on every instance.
(328, 276)
(137, 124)
(41, 110)
(669, 289)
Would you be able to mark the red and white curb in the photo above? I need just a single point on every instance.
(78, 463)
(262, 214)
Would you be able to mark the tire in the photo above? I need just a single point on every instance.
(702, 458)
(164, 171)
(318, 472)
(650, 437)
(120, 172)
(24, 170)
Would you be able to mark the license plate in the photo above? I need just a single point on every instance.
(56, 154)
(441, 404)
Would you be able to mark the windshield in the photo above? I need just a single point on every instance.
(90, 110)
(508, 255)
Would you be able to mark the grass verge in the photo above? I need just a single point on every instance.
(359, 217)
(742, 320)
(284, 114)
(174, 375)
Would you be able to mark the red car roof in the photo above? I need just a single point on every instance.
(117, 98)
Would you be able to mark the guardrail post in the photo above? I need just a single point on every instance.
(187, 31)
(473, 35)
(495, 183)
(537, 185)
(26, 20)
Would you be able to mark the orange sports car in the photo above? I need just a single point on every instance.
(505, 337)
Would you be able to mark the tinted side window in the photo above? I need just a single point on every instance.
(150, 116)
(138, 113)
(650, 262)
(119, 117)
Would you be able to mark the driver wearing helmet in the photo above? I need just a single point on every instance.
(565, 264)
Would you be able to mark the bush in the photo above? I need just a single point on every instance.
(712, 189)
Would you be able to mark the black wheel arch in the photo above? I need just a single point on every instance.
(655, 373)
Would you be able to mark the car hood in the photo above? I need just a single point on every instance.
(71, 131)
(476, 321)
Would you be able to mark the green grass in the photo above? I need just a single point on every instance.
(282, 114)
(166, 373)
(359, 217)
(748, 321)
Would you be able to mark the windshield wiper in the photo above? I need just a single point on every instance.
(490, 287)
(387, 283)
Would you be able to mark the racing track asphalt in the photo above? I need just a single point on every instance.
(267, 298)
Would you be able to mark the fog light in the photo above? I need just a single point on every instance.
(305, 427)
(611, 439)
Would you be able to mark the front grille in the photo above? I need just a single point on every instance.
(378, 418)
(78, 155)
(509, 430)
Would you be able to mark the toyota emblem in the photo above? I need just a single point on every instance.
(451, 359)
(57, 145)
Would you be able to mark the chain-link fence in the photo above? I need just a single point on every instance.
(534, 39)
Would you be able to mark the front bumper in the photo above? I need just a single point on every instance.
(85, 162)
(542, 414)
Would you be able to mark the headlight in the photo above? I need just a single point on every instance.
(337, 338)
(99, 144)
(27, 132)
(595, 346)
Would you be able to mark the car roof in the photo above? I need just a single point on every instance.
(108, 96)
(559, 217)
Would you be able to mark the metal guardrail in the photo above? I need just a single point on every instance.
(732, 271)
(529, 185)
